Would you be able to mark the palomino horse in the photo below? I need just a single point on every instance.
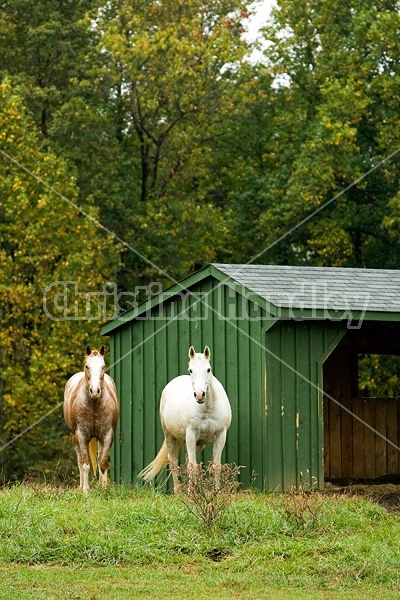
(91, 412)
(194, 409)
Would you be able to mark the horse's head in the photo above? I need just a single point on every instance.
(200, 372)
(94, 371)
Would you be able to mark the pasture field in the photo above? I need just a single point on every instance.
(120, 543)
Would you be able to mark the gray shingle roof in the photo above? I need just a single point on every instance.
(320, 288)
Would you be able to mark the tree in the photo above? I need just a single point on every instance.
(44, 45)
(138, 97)
(51, 50)
(172, 65)
(337, 92)
(44, 243)
(174, 72)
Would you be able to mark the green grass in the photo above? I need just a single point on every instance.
(125, 543)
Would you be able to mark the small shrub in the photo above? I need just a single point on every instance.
(200, 494)
(301, 509)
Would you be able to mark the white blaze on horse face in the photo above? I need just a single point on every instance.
(200, 373)
(94, 371)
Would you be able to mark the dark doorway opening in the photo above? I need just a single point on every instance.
(362, 406)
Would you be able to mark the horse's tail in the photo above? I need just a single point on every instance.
(156, 465)
(93, 454)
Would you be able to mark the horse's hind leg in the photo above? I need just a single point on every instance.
(218, 446)
(103, 457)
(173, 446)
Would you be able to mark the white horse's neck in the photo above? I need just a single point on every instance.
(211, 392)
(211, 382)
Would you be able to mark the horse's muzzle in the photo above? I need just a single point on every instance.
(200, 397)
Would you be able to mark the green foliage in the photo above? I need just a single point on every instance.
(379, 375)
(169, 67)
(43, 240)
(44, 46)
(115, 107)
(335, 68)
(172, 69)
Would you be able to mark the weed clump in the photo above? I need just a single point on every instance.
(301, 509)
(208, 491)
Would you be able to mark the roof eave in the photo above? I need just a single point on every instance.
(337, 315)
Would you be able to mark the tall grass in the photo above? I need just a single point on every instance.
(304, 541)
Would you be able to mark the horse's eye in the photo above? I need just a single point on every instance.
(190, 371)
(208, 370)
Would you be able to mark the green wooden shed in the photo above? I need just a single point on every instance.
(285, 342)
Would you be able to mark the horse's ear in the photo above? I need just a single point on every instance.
(102, 350)
(192, 352)
(88, 350)
(207, 352)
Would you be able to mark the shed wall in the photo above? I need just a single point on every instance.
(147, 353)
(295, 351)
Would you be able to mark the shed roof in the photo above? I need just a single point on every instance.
(319, 288)
(296, 292)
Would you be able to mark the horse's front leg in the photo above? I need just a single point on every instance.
(218, 446)
(103, 456)
(78, 459)
(192, 450)
(82, 452)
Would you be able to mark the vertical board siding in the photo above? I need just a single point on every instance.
(324, 336)
(234, 441)
(243, 361)
(295, 434)
(288, 406)
(126, 420)
(145, 372)
(314, 476)
(273, 477)
(373, 437)
(358, 437)
(392, 436)
(257, 399)
(317, 340)
(138, 432)
(149, 352)
(303, 411)
(115, 374)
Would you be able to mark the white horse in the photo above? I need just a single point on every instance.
(195, 410)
